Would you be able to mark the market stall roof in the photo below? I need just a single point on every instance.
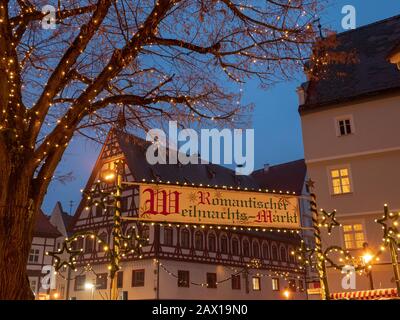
(379, 294)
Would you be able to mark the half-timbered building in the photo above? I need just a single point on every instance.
(44, 240)
(186, 261)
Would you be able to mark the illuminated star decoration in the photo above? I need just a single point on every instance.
(95, 192)
(304, 255)
(58, 262)
(310, 183)
(390, 223)
(328, 220)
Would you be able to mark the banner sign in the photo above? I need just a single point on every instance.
(196, 205)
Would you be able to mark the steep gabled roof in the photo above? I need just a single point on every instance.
(43, 227)
(371, 75)
(134, 150)
(282, 177)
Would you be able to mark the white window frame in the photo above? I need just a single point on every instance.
(338, 167)
(337, 126)
(353, 222)
(34, 255)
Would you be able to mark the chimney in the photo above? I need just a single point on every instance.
(266, 167)
(301, 95)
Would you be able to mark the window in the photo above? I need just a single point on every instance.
(275, 284)
(183, 278)
(344, 126)
(340, 179)
(198, 240)
(98, 211)
(124, 204)
(120, 279)
(138, 278)
(235, 247)
(224, 244)
(101, 281)
(292, 255)
(32, 284)
(80, 283)
(283, 254)
(168, 236)
(211, 280)
(256, 283)
(301, 285)
(34, 255)
(211, 242)
(145, 232)
(246, 248)
(256, 250)
(236, 282)
(265, 251)
(185, 238)
(89, 245)
(353, 235)
(292, 285)
(103, 237)
(79, 244)
(274, 253)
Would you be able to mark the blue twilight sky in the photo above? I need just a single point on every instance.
(274, 142)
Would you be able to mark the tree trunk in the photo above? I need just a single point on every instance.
(17, 217)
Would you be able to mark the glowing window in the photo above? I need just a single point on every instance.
(353, 235)
(340, 181)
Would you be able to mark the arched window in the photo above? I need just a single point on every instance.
(246, 248)
(274, 252)
(89, 244)
(198, 240)
(185, 238)
(235, 246)
(168, 236)
(78, 244)
(256, 249)
(292, 256)
(145, 232)
(224, 244)
(283, 254)
(211, 242)
(103, 236)
(265, 251)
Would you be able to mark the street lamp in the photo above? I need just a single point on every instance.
(90, 286)
(367, 258)
(286, 293)
(108, 175)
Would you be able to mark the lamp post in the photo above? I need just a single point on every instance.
(109, 176)
(367, 258)
(286, 294)
(321, 267)
(391, 235)
(90, 286)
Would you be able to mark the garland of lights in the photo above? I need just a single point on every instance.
(306, 256)
(390, 223)
(131, 241)
(213, 226)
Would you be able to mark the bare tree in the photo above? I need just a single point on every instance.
(151, 60)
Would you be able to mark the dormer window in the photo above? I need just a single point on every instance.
(344, 126)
